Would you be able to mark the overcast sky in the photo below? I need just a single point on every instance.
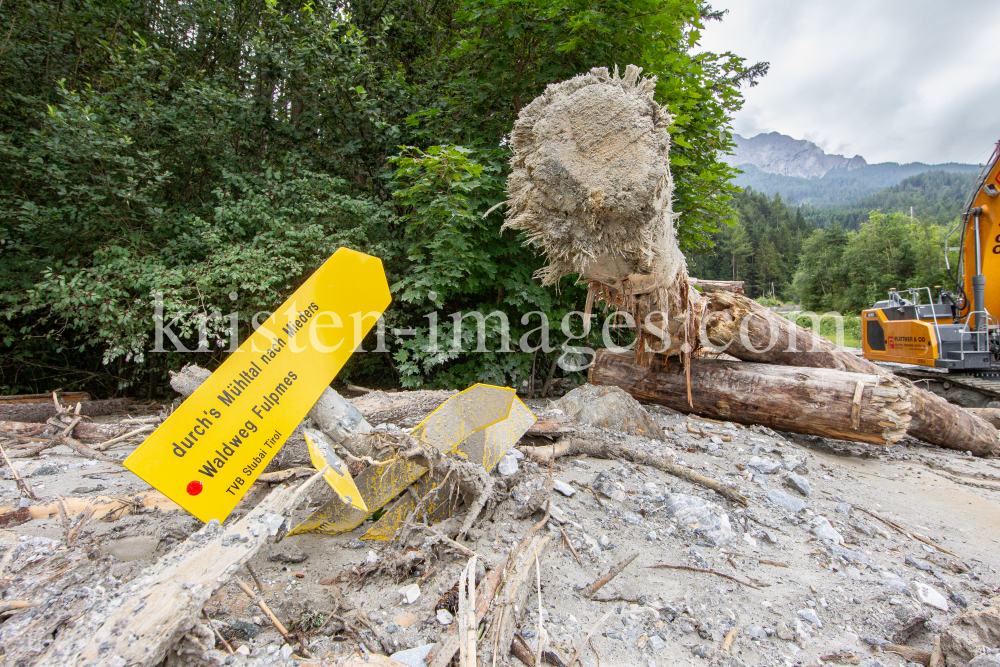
(890, 80)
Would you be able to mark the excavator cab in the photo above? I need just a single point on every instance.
(952, 333)
(905, 331)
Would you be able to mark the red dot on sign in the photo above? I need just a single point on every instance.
(194, 488)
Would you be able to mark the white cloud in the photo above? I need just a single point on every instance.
(891, 80)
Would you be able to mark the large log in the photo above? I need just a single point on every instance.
(165, 601)
(991, 415)
(39, 412)
(83, 431)
(939, 422)
(67, 397)
(716, 285)
(746, 330)
(815, 401)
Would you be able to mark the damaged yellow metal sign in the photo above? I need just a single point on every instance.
(481, 423)
(377, 484)
(337, 475)
(437, 507)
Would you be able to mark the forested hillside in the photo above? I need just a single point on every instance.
(936, 196)
(762, 248)
(848, 271)
(841, 187)
(216, 153)
(778, 252)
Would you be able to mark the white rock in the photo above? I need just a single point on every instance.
(801, 632)
(516, 453)
(785, 500)
(273, 523)
(763, 464)
(557, 514)
(414, 657)
(811, 616)
(410, 593)
(286, 652)
(507, 465)
(824, 530)
(704, 518)
(444, 617)
(372, 557)
(929, 595)
(243, 650)
(563, 488)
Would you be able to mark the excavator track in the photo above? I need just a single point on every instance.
(988, 387)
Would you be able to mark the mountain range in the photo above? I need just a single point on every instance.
(804, 174)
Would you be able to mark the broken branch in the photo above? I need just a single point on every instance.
(688, 568)
(613, 452)
(612, 573)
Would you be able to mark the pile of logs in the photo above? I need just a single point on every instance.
(795, 381)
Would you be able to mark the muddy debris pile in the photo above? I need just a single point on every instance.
(594, 530)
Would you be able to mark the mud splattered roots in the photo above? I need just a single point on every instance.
(591, 181)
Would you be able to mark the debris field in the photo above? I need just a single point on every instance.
(843, 553)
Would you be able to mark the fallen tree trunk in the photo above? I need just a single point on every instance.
(939, 422)
(518, 586)
(991, 415)
(84, 431)
(101, 506)
(717, 285)
(39, 412)
(66, 397)
(814, 401)
(746, 330)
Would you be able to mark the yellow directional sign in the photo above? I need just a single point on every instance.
(208, 453)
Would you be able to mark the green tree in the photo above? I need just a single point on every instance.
(764, 244)
(734, 242)
(204, 149)
(820, 279)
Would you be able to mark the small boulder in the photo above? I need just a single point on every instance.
(824, 530)
(929, 595)
(609, 408)
(507, 465)
(789, 502)
(763, 464)
(284, 552)
(797, 483)
(705, 518)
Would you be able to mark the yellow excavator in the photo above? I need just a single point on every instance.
(950, 339)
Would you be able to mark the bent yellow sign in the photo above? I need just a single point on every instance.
(210, 450)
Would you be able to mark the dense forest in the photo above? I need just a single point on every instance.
(216, 153)
(936, 196)
(762, 247)
(779, 253)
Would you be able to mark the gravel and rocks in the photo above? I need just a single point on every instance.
(811, 570)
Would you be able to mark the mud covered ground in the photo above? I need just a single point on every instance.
(813, 575)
